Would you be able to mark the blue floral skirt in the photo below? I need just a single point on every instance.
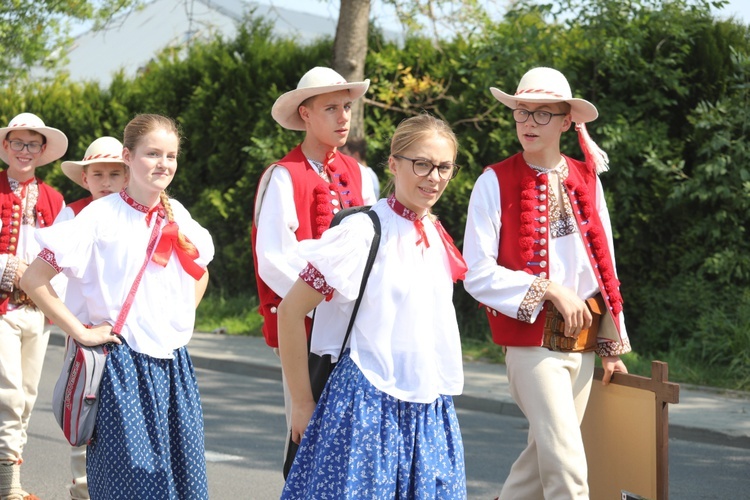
(148, 440)
(363, 443)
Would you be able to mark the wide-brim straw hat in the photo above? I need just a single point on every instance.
(319, 80)
(540, 85)
(56, 142)
(103, 150)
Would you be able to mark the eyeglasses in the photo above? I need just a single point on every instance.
(540, 117)
(423, 168)
(31, 147)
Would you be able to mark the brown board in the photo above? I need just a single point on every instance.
(626, 435)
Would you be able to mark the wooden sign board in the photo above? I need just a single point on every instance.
(626, 435)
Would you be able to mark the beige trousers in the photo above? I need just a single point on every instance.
(552, 389)
(23, 343)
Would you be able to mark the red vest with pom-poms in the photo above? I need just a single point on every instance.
(524, 239)
(48, 205)
(316, 201)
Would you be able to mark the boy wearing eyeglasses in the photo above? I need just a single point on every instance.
(26, 203)
(538, 245)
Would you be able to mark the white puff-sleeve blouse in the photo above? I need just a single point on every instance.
(103, 249)
(405, 338)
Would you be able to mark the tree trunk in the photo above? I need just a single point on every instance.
(350, 51)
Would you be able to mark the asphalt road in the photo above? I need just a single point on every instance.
(245, 433)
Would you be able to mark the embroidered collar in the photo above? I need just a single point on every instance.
(411, 215)
(130, 201)
(401, 210)
(317, 164)
(542, 170)
(158, 209)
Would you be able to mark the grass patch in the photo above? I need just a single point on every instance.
(236, 315)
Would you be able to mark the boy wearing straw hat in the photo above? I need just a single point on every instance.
(101, 172)
(298, 196)
(26, 203)
(538, 245)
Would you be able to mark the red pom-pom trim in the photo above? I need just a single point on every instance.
(526, 243)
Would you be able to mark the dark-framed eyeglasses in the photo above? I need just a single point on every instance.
(521, 115)
(31, 147)
(423, 168)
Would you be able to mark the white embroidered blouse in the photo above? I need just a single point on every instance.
(405, 338)
(102, 250)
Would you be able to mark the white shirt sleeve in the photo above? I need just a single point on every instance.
(368, 189)
(491, 284)
(276, 244)
(65, 214)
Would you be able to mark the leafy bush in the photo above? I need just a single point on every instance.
(678, 189)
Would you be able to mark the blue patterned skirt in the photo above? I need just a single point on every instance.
(148, 441)
(363, 443)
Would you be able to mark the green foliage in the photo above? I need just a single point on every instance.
(671, 85)
(234, 315)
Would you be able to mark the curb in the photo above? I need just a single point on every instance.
(464, 401)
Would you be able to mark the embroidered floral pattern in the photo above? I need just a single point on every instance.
(316, 280)
(401, 210)
(130, 201)
(32, 195)
(9, 274)
(532, 299)
(613, 348)
(49, 257)
(562, 222)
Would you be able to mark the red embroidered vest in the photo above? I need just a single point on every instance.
(315, 201)
(48, 205)
(524, 239)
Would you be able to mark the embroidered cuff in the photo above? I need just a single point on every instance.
(610, 348)
(532, 299)
(9, 274)
(47, 256)
(316, 280)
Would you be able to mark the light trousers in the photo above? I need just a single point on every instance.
(23, 343)
(552, 389)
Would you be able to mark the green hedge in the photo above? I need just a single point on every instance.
(678, 188)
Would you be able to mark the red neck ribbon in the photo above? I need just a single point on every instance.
(168, 243)
(455, 259)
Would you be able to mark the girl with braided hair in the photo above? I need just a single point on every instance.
(148, 441)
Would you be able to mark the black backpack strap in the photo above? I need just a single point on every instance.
(342, 214)
(368, 268)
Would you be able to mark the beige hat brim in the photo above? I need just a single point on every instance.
(74, 169)
(581, 110)
(285, 109)
(56, 143)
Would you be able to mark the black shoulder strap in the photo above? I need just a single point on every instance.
(342, 214)
(368, 268)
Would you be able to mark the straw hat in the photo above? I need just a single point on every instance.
(56, 141)
(103, 150)
(547, 85)
(318, 80)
